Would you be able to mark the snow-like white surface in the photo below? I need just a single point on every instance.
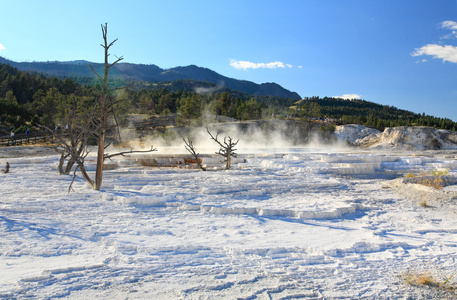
(282, 226)
(402, 138)
(354, 133)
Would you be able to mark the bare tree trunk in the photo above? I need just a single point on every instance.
(190, 147)
(104, 109)
(100, 154)
(228, 158)
(86, 176)
(71, 162)
(63, 156)
(79, 152)
(7, 168)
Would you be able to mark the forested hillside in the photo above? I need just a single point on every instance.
(28, 100)
(31, 99)
(128, 72)
(372, 114)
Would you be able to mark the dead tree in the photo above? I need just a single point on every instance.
(106, 107)
(190, 147)
(91, 123)
(73, 147)
(108, 156)
(71, 143)
(7, 168)
(227, 149)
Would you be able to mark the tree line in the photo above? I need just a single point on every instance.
(30, 99)
(363, 112)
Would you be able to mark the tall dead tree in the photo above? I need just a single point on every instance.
(106, 107)
(191, 149)
(90, 123)
(227, 148)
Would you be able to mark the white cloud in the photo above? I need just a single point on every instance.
(250, 65)
(449, 25)
(446, 52)
(2, 47)
(348, 96)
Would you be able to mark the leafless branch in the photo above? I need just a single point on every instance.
(99, 77)
(118, 60)
(108, 156)
(227, 149)
(191, 149)
(70, 188)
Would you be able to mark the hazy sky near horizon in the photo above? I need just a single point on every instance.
(393, 52)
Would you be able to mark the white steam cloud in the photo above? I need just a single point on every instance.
(265, 137)
(348, 96)
(2, 47)
(209, 90)
(244, 65)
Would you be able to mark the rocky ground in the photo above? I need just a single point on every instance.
(401, 138)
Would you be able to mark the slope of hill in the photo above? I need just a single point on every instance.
(152, 73)
(29, 95)
(376, 115)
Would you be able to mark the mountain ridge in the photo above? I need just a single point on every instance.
(152, 73)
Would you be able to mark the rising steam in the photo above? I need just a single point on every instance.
(254, 137)
(210, 90)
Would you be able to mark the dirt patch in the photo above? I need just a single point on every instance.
(433, 181)
(438, 198)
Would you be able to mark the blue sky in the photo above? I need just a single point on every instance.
(393, 52)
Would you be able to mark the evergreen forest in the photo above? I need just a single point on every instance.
(30, 100)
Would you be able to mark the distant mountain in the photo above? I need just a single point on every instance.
(152, 73)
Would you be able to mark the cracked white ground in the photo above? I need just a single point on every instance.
(280, 226)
